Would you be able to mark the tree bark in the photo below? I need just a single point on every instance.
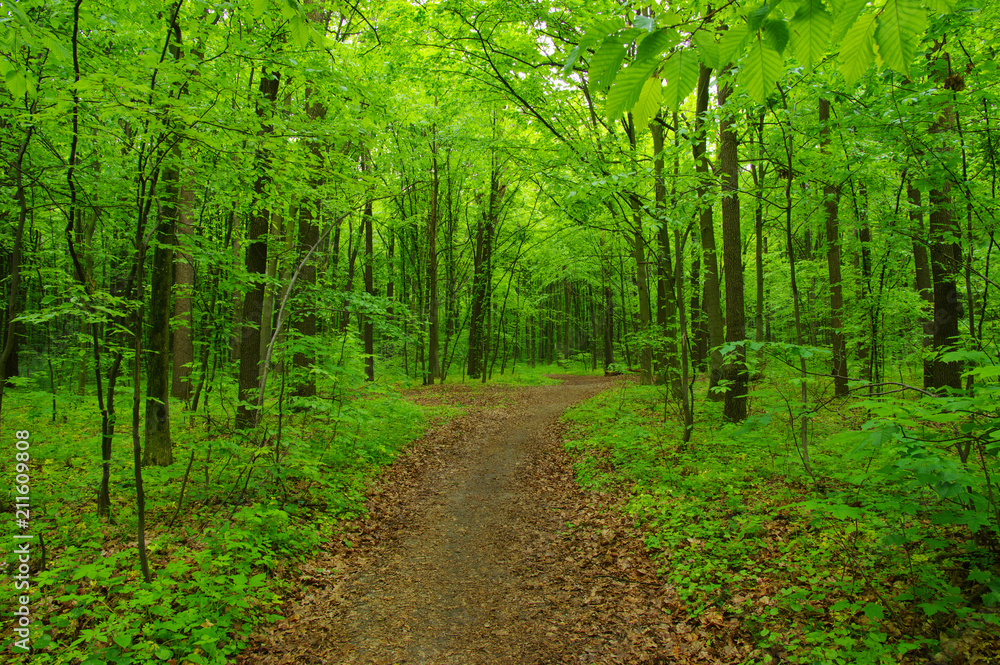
(157, 446)
(368, 330)
(433, 335)
(13, 288)
(183, 337)
(256, 263)
(922, 277)
(666, 305)
(482, 277)
(831, 197)
(711, 300)
(735, 404)
(946, 251)
(641, 273)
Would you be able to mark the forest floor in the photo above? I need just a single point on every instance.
(479, 547)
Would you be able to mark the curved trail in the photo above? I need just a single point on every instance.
(466, 556)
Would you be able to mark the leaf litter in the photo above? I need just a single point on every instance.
(479, 547)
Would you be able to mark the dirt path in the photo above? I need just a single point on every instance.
(466, 556)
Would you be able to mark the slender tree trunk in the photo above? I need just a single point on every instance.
(310, 212)
(699, 330)
(946, 260)
(256, 263)
(867, 341)
(831, 197)
(666, 304)
(711, 300)
(271, 290)
(368, 331)
(758, 172)
(479, 324)
(183, 334)
(478, 299)
(641, 274)
(566, 314)
(924, 285)
(687, 408)
(433, 342)
(796, 299)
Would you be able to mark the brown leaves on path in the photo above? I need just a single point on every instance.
(480, 548)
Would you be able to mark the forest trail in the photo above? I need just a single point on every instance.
(466, 556)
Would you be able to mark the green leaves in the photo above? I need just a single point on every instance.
(810, 34)
(649, 102)
(899, 27)
(776, 35)
(631, 82)
(594, 34)
(732, 44)
(845, 18)
(758, 42)
(681, 74)
(763, 66)
(606, 61)
(857, 53)
(628, 88)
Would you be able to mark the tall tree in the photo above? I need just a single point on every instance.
(157, 444)
(666, 303)
(711, 299)
(256, 255)
(433, 333)
(945, 232)
(922, 278)
(831, 199)
(736, 372)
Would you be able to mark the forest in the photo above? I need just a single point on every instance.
(688, 313)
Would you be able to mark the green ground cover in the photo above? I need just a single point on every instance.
(253, 502)
(889, 554)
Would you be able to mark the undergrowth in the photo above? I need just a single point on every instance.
(881, 558)
(253, 504)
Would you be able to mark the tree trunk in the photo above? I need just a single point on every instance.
(310, 212)
(735, 405)
(758, 171)
(831, 196)
(368, 330)
(478, 299)
(482, 278)
(13, 289)
(711, 300)
(946, 259)
(433, 342)
(946, 251)
(924, 285)
(256, 264)
(666, 305)
(183, 342)
(867, 344)
(157, 446)
(641, 274)
(566, 314)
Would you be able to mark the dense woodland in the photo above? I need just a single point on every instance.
(235, 229)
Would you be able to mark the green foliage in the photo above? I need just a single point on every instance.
(754, 40)
(246, 516)
(894, 551)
